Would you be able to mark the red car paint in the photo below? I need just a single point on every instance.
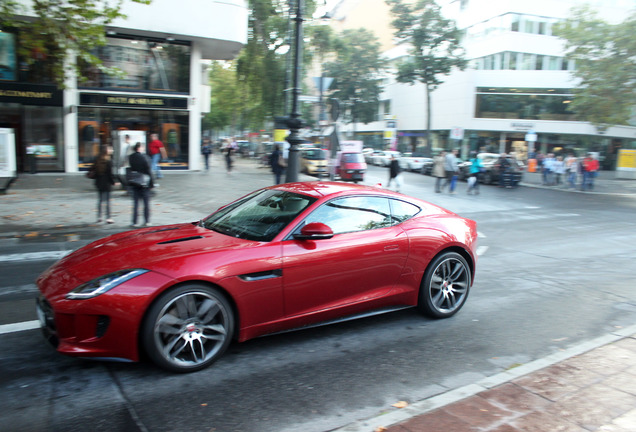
(320, 280)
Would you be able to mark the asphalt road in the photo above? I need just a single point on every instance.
(555, 269)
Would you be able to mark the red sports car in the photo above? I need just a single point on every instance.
(282, 257)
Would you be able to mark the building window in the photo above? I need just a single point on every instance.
(146, 65)
(524, 103)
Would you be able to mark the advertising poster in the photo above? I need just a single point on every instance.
(7, 153)
(7, 57)
(171, 139)
(123, 144)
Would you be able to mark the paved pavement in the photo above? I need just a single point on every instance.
(588, 387)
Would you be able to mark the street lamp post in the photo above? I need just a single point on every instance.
(294, 122)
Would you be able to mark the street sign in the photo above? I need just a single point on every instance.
(457, 133)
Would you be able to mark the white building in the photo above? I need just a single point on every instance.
(162, 49)
(517, 82)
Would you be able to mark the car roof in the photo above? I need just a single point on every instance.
(319, 189)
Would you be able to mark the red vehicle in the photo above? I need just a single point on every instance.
(282, 257)
(350, 166)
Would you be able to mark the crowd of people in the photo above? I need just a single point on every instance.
(576, 171)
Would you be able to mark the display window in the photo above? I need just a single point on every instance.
(102, 126)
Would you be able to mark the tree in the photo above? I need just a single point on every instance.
(605, 57)
(226, 103)
(434, 47)
(262, 64)
(357, 73)
(61, 28)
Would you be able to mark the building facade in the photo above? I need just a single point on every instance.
(162, 50)
(514, 95)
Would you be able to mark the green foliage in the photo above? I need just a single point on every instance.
(60, 28)
(605, 57)
(262, 64)
(357, 73)
(434, 43)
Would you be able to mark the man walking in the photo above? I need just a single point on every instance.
(157, 151)
(451, 168)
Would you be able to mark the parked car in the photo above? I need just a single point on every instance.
(491, 170)
(282, 257)
(368, 156)
(350, 166)
(413, 161)
(427, 167)
(313, 161)
(383, 158)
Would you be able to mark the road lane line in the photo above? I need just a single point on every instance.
(18, 327)
(481, 250)
(34, 256)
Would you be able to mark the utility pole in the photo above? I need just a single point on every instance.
(294, 122)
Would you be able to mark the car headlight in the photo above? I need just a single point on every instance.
(103, 283)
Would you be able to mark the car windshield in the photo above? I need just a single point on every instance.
(315, 154)
(259, 216)
(353, 157)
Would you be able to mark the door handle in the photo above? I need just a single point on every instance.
(391, 248)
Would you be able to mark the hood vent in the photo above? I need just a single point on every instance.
(180, 240)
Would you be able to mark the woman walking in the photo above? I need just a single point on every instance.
(438, 170)
(104, 181)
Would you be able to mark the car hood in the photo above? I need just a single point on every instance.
(150, 248)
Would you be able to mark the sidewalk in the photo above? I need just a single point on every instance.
(588, 387)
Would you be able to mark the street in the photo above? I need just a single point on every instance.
(555, 269)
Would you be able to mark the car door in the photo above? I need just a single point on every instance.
(362, 261)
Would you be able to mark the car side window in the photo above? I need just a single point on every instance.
(353, 214)
(401, 211)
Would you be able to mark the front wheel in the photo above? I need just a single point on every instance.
(445, 286)
(188, 328)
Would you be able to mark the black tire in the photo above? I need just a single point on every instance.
(487, 178)
(188, 328)
(445, 286)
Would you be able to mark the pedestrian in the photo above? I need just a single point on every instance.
(206, 150)
(394, 173)
(229, 156)
(139, 163)
(104, 181)
(476, 167)
(571, 169)
(277, 162)
(590, 169)
(558, 166)
(503, 164)
(451, 168)
(548, 170)
(157, 152)
(438, 170)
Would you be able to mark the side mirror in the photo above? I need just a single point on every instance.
(314, 231)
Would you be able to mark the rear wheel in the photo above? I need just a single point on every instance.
(445, 286)
(188, 328)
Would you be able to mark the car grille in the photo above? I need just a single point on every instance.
(47, 320)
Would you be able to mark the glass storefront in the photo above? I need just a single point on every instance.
(101, 126)
(38, 136)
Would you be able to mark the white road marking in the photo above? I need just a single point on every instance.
(481, 250)
(34, 256)
(481, 234)
(18, 327)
